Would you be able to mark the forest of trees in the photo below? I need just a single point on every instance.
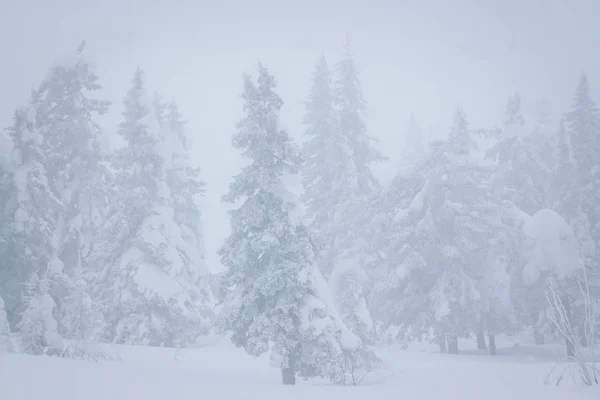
(471, 240)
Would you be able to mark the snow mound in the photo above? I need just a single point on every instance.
(555, 248)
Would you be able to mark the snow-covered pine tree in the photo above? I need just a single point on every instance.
(524, 160)
(325, 172)
(338, 184)
(38, 325)
(6, 193)
(66, 110)
(33, 213)
(147, 277)
(577, 186)
(582, 125)
(83, 322)
(5, 343)
(351, 108)
(276, 294)
(440, 238)
(329, 192)
(186, 187)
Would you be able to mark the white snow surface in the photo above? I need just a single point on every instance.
(220, 371)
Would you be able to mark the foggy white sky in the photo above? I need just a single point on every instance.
(414, 56)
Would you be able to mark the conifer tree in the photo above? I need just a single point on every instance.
(577, 186)
(32, 213)
(275, 292)
(66, 110)
(38, 326)
(338, 184)
(5, 343)
(148, 273)
(351, 108)
(441, 235)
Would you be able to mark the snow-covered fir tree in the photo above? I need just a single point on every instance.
(83, 322)
(325, 173)
(5, 343)
(57, 183)
(442, 231)
(276, 295)
(6, 193)
(148, 272)
(186, 187)
(351, 109)
(524, 161)
(338, 184)
(38, 325)
(582, 126)
(32, 213)
(576, 186)
(67, 109)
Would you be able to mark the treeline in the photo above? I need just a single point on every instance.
(491, 230)
(100, 245)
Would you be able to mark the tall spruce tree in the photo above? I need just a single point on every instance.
(146, 279)
(441, 233)
(32, 213)
(276, 293)
(582, 125)
(524, 160)
(338, 184)
(576, 188)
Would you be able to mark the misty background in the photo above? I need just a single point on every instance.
(413, 56)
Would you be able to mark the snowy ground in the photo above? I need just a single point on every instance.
(222, 372)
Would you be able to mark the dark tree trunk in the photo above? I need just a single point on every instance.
(492, 341)
(453, 344)
(442, 344)
(288, 373)
(481, 341)
(538, 337)
(288, 376)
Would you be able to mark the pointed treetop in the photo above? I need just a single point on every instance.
(583, 125)
(348, 46)
(582, 100)
(459, 137)
(512, 114)
(81, 47)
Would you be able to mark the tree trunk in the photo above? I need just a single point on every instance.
(481, 341)
(453, 344)
(538, 337)
(492, 341)
(288, 376)
(288, 373)
(442, 344)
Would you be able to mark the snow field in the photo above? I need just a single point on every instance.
(220, 371)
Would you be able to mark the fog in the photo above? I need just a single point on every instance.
(478, 234)
(413, 56)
